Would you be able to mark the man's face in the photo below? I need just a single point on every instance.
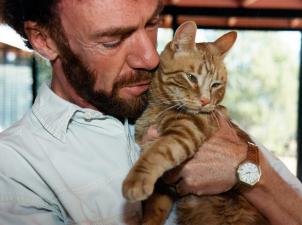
(110, 51)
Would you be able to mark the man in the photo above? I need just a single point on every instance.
(64, 162)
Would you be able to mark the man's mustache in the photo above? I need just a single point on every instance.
(133, 78)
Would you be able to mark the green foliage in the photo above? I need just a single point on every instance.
(263, 88)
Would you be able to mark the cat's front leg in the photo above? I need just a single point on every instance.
(164, 154)
(139, 183)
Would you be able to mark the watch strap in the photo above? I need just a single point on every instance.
(252, 156)
(241, 187)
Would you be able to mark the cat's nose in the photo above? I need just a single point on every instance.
(204, 101)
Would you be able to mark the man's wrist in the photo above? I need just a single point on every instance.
(248, 171)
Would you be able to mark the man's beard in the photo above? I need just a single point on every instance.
(83, 80)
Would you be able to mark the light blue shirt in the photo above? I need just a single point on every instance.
(62, 164)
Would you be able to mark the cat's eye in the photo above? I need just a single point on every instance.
(216, 84)
(192, 78)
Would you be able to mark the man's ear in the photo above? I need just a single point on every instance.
(40, 40)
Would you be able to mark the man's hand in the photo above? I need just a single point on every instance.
(213, 168)
(149, 135)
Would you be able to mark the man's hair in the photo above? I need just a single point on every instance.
(15, 12)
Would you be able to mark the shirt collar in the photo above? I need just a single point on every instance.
(53, 112)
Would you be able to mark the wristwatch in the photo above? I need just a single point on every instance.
(248, 172)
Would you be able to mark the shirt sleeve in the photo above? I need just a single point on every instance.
(35, 217)
(21, 206)
(282, 170)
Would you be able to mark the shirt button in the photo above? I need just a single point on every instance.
(88, 116)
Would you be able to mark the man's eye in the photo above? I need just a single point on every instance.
(112, 44)
(154, 22)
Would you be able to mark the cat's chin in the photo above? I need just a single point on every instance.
(200, 111)
(205, 111)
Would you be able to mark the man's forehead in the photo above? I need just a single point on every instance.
(89, 15)
(105, 9)
(104, 4)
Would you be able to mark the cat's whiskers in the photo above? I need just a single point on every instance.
(192, 105)
(167, 109)
(165, 99)
(180, 109)
(215, 117)
(162, 103)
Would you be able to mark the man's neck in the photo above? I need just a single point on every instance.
(62, 88)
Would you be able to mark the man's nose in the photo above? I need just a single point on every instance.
(142, 52)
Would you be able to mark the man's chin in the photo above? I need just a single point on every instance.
(124, 106)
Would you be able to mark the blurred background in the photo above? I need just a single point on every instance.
(263, 95)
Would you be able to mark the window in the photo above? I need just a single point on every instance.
(15, 85)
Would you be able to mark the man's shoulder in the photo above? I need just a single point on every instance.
(16, 132)
(16, 141)
(13, 138)
(18, 170)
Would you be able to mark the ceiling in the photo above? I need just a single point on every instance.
(270, 4)
(235, 14)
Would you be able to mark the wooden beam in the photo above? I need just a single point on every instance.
(232, 21)
(238, 12)
(167, 21)
(243, 22)
(257, 4)
(246, 3)
(277, 4)
(17, 51)
(295, 23)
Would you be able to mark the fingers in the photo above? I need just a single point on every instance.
(183, 189)
(150, 134)
(174, 175)
(189, 186)
(205, 185)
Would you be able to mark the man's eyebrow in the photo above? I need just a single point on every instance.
(114, 31)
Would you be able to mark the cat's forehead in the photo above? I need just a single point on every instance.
(200, 60)
(207, 50)
(201, 63)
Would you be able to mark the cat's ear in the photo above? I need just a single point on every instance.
(184, 38)
(225, 42)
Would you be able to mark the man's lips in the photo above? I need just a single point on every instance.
(137, 89)
(141, 83)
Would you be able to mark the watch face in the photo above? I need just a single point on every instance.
(249, 173)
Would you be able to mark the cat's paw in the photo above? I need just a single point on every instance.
(138, 187)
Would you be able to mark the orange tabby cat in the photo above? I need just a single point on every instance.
(184, 96)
